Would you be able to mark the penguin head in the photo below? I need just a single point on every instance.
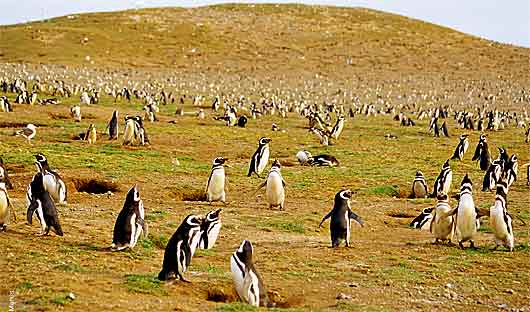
(213, 215)
(193, 221)
(502, 186)
(245, 251)
(503, 154)
(466, 180)
(276, 163)
(419, 173)
(483, 137)
(41, 158)
(442, 196)
(264, 141)
(133, 195)
(446, 164)
(343, 195)
(219, 161)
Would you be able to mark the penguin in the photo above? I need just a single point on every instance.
(492, 175)
(482, 153)
(324, 161)
(210, 228)
(130, 223)
(275, 191)
(215, 189)
(467, 222)
(340, 218)
(442, 225)
(461, 148)
(91, 134)
(113, 126)
(259, 160)
(130, 132)
(419, 186)
(445, 131)
(75, 111)
(500, 219)
(337, 128)
(4, 206)
(510, 170)
(27, 132)
(434, 126)
(42, 204)
(4, 177)
(304, 157)
(180, 249)
(242, 121)
(423, 221)
(444, 180)
(247, 281)
(52, 181)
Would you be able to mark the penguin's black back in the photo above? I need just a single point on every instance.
(171, 257)
(50, 213)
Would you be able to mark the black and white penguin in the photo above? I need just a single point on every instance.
(215, 189)
(511, 167)
(467, 222)
(247, 281)
(4, 206)
(210, 228)
(493, 174)
(337, 128)
(4, 177)
(242, 121)
(324, 161)
(461, 148)
(340, 218)
(53, 183)
(304, 157)
(500, 219)
(75, 112)
(42, 204)
(91, 134)
(423, 220)
(445, 131)
(259, 160)
(482, 153)
(442, 224)
(181, 248)
(444, 180)
(113, 126)
(419, 186)
(130, 223)
(275, 186)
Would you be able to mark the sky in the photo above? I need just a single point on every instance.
(503, 21)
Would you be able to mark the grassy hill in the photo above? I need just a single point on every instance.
(261, 39)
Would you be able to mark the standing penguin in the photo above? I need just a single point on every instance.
(52, 181)
(445, 131)
(444, 180)
(442, 225)
(419, 186)
(4, 206)
(423, 221)
(4, 177)
(275, 186)
(510, 170)
(493, 174)
(467, 222)
(42, 204)
(215, 189)
(340, 219)
(130, 222)
(500, 219)
(210, 228)
(75, 112)
(461, 148)
(482, 153)
(247, 281)
(180, 249)
(337, 128)
(113, 126)
(259, 160)
(91, 134)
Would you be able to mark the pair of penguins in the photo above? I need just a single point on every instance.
(45, 188)
(305, 158)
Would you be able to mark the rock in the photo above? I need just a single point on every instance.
(503, 306)
(343, 296)
(449, 285)
(509, 291)
(71, 296)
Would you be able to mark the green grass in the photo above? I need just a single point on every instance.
(144, 284)
(24, 286)
(70, 267)
(384, 190)
(285, 226)
(236, 307)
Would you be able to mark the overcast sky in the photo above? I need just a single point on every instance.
(503, 21)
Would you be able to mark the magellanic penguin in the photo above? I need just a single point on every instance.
(493, 174)
(442, 225)
(423, 220)
(130, 223)
(340, 218)
(4, 206)
(275, 186)
(445, 131)
(259, 160)
(304, 157)
(444, 180)
(210, 228)
(419, 186)
(247, 281)
(461, 148)
(324, 161)
(215, 189)
(75, 111)
(467, 222)
(500, 219)
(482, 153)
(337, 128)
(42, 204)
(91, 134)
(53, 183)
(113, 126)
(4, 177)
(27, 132)
(180, 249)
(511, 168)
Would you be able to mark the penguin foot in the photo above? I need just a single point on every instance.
(435, 241)
(461, 245)
(183, 279)
(472, 245)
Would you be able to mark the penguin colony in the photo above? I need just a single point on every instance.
(47, 187)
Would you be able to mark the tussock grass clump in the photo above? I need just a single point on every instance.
(400, 214)
(217, 294)
(189, 195)
(144, 284)
(94, 186)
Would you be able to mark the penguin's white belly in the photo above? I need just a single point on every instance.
(50, 185)
(4, 210)
(264, 160)
(443, 225)
(419, 190)
(128, 134)
(275, 192)
(466, 224)
(237, 275)
(216, 188)
(498, 224)
(447, 183)
(245, 282)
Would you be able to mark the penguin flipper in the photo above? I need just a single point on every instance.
(259, 187)
(355, 217)
(325, 218)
